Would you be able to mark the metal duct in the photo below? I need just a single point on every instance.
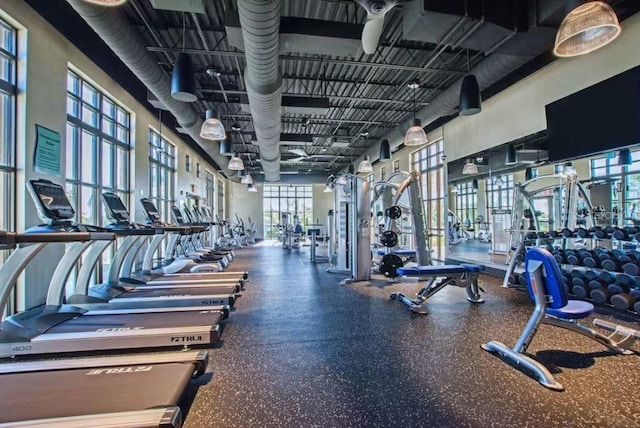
(124, 40)
(260, 23)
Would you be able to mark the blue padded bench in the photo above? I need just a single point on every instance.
(464, 275)
(552, 307)
(401, 253)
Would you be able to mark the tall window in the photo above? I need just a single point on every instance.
(294, 200)
(8, 92)
(220, 203)
(97, 148)
(210, 181)
(428, 162)
(629, 193)
(162, 171)
(499, 193)
(466, 202)
(383, 173)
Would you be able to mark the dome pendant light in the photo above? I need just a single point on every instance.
(415, 135)
(183, 78)
(212, 128)
(385, 150)
(235, 163)
(470, 168)
(365, 166)
(246, 179)
(470, 98)
(111, 3)
(586, 28)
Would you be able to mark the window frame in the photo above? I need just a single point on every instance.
(162, 188)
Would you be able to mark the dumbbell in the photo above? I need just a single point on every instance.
(600, 294)
(567, 233)
(522, 280)
(592, 260)
(581, 232)
(575, 257)
(624, 233)
(604, 232)
(631, 268)
(560, 256)
(611, 264)
(626, 301)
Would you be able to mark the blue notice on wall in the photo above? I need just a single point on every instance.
(46, 158)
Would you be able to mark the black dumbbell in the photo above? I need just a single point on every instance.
(600, 294)
(590, 274)
(604, 233)
(617, 288)
(632, 267)
(626, 301)
(581, 232)
(560, 256)
(611, 264)
(624, 233)
(624, 279)
(522, 280)
(592, 260)
(567, 233)
(555, 234)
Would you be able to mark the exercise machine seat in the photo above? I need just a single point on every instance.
(574, 310)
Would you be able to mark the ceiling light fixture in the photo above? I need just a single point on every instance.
(364, 134)
(246, 179)
(474, 184)
(470, 99)
(235, 163)
(252, 188)
(183, 78)
(111, 3)
(226, 146)
(212, 128)
(351, 169)
(624, 157)
(385, 150)
(415, 135)
(586, 28)
(365, 166)
(236, 127)
(470, 168)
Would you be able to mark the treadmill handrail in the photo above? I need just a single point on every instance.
(12, 238)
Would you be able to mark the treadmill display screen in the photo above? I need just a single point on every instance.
(114, 204)
(177, 214)
(150, 209)
(51, 196)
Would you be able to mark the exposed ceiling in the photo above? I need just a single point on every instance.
(337, 101)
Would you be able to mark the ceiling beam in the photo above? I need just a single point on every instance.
(288, 119)
(323, 60)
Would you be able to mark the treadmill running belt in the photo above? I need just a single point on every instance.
(39, 395)
(124, 322)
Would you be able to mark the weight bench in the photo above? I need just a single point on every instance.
(545, 287)
(438, 277)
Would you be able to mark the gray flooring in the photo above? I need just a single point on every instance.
(302, 350)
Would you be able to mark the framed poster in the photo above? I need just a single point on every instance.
(46, 157)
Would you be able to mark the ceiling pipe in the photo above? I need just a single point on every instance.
(260, 24)
(125, 41)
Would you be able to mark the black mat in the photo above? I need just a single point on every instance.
(302, 350)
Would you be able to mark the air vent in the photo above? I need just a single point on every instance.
(196, 6)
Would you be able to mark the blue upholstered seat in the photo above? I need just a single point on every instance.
(574, 310)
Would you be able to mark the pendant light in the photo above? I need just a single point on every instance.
(183, 78)
(365, 166)
(624, 157)
(475, 184)
(212, 128)
(415, 135)
(110, 3)
(470, 168)
(470, 99)
(226, 146)
(385, 150)
(327, 188)
(235, 163)
(351, 169)
(586, 28)
(246, 179)
(512, 156)
(252, 188)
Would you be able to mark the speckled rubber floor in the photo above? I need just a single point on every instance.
(302, 350)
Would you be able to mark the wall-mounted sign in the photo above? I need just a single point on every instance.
(46, 157)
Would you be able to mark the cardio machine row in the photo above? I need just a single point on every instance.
(177, 304)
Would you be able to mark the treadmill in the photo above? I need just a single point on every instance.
(150, 277)
(129, 391)
(60, 329)
(117, 296)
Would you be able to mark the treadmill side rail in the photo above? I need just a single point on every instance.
(165, 417)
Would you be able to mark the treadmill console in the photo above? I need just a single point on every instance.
(188, 214)
(177, 215)
(51, 201)
(114, 207)
(150, 210)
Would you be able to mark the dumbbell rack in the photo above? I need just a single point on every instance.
(598, 275)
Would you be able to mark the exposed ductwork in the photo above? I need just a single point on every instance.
(260, 23)
(124, 40)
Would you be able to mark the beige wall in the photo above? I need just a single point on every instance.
(44, 57)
